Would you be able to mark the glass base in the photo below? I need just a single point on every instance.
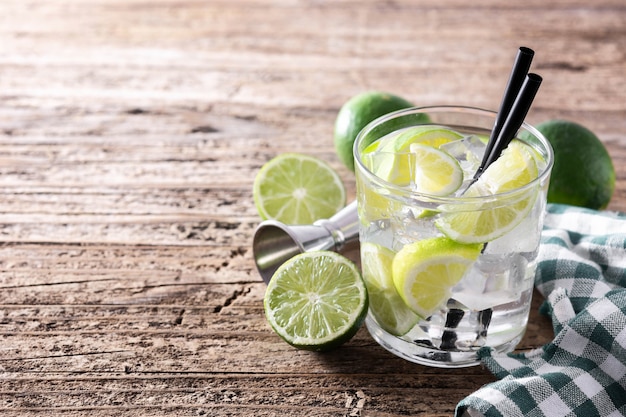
(431, 356)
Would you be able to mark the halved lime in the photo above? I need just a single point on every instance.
(385, 304)
(425, 271)
(436, 171)
(483, 222)
(316, 300)
(297, 189)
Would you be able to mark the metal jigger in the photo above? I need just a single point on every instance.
(275, 242)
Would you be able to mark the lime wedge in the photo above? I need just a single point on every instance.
(392, 167)
(316, 300)
(372, 147)
(385, 304)
(436, 171)
(484, 222)
(392, 159)
(425, 271)
(432, 135)
(297, 189)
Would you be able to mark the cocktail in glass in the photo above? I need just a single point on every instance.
(449, 263)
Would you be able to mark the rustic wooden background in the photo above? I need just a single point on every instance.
(130, 134)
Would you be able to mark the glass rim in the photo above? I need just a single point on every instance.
(398, 190)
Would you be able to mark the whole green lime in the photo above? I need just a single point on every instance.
(356, 113)
(583, 173)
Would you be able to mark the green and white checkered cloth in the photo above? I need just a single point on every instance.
(582, 372)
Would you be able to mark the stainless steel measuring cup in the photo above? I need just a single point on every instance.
(275, 242)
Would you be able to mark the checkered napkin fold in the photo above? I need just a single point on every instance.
(582, 372)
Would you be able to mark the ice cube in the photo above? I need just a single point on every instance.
(473, 282)
(468, 151)
(484, 301)
(523, 238)
(408, 227)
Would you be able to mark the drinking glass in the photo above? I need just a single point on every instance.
(489, 305)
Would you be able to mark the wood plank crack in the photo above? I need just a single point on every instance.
(236, 294)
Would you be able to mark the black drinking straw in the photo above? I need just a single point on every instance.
(516, 116)
(516, 79)
(518, 97)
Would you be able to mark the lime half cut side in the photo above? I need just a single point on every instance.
(425, 271)
(479, 222)
(316, 300)
(298, 189)
(385, 304)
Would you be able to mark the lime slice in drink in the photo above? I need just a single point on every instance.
(436, 171)
(483, 222)
(392, 167)
(316, 300)
(432, 135)
(425, 271)
(392, 159)
(297, 189)
(385, 304)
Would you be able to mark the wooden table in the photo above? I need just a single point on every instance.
(131, 132)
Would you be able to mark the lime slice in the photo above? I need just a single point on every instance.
(316, 300)
(425, 271)
(297, 189)
(432, 135)
(436, 171)
(374, 201)
(392, 159)
(372, 147)
(483, 222)
(392, 167)
(385, 304)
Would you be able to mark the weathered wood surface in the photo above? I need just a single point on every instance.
(131, 132)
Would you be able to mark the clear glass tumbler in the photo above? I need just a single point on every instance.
(448, 274)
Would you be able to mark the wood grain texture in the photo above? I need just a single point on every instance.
(130, 134)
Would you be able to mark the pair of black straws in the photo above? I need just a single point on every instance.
(518, 97)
